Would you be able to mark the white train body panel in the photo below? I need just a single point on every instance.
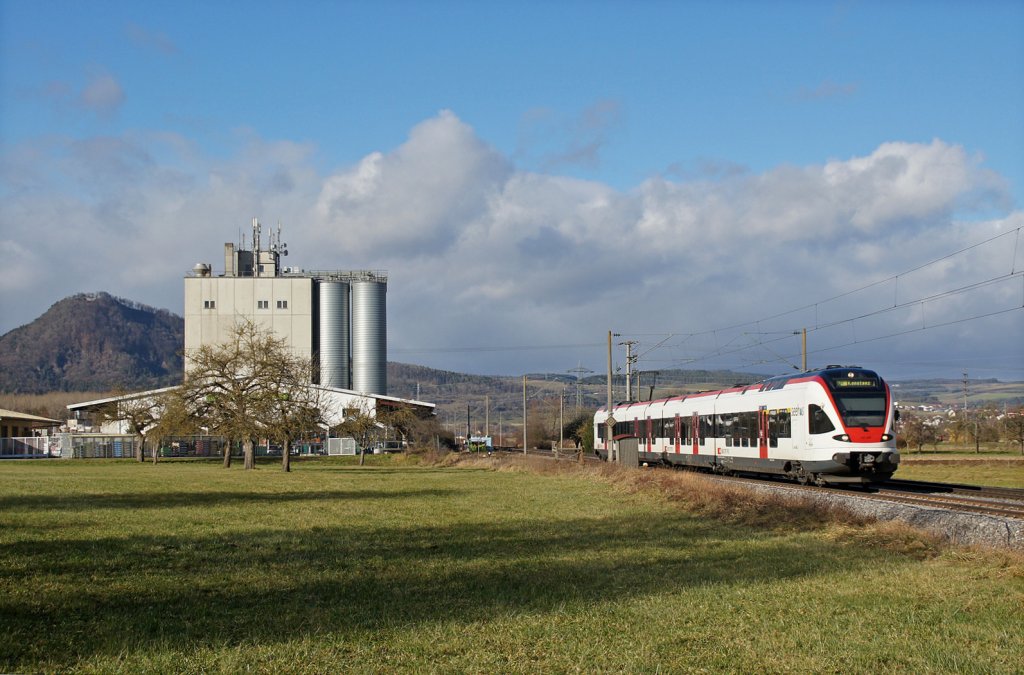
(832, 425)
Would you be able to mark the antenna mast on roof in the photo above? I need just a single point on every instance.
(256, 247)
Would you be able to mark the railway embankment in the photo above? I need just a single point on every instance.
(954, 526)
(989, 517)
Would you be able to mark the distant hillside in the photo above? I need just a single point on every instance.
(93, 342)
(497, 401)
(950, 393)
(97, 342)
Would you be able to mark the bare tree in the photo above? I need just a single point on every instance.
(296, 406)
(1013, 427)
(242, 387)
(581, 432)
(140, 415)
(360, 425)
(175, 420)
(915, 431)
(402, 420)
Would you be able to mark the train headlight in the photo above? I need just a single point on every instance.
(886, 437)
(842, 437)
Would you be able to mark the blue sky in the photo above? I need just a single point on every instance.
(697, 165)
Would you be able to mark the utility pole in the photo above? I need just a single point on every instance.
(609, 424)
(487, 414)
(967, 419)
(630, 360)
(561, 420)
(524, 414)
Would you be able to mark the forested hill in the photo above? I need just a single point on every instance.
(93, 342)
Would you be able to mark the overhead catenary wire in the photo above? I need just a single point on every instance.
(720, 351)
(722, 347)
(785, 335)
(511, 348)
(815, 305)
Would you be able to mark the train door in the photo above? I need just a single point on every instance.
(762, 432)
(678, 425)
(695, 431)
(650, 441)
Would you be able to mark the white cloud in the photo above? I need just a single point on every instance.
(828, 89)
(150, 40)
(102, 94)
(908, 181)
(482, 254)
(415, 200)
(550, 141)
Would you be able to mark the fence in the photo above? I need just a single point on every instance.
(100, 446)
(123, 446)
(30, 447)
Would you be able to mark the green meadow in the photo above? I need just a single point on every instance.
(482, 567)
(988, 471)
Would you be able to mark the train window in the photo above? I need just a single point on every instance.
(784, 424)
(778, 426)
(862, 409)
(707, 427)
(818, 421)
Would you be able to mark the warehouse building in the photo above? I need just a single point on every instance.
(25, 435)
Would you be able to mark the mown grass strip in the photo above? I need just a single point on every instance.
(192, 568)
(969, 471)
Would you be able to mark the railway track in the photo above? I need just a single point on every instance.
(999, 502)
(1006, 502)
(1012, 494)
(993, 501)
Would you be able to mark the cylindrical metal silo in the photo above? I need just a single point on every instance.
(369, 337)
(334, 332)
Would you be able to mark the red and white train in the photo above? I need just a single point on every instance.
(833, 425)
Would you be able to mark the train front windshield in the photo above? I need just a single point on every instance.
(860, 397)
(862, 410)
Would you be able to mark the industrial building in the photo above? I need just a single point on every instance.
(336, 318)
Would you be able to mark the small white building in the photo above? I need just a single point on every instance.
(337, 403)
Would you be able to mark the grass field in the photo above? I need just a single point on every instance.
(989, 471)
(187, 567)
